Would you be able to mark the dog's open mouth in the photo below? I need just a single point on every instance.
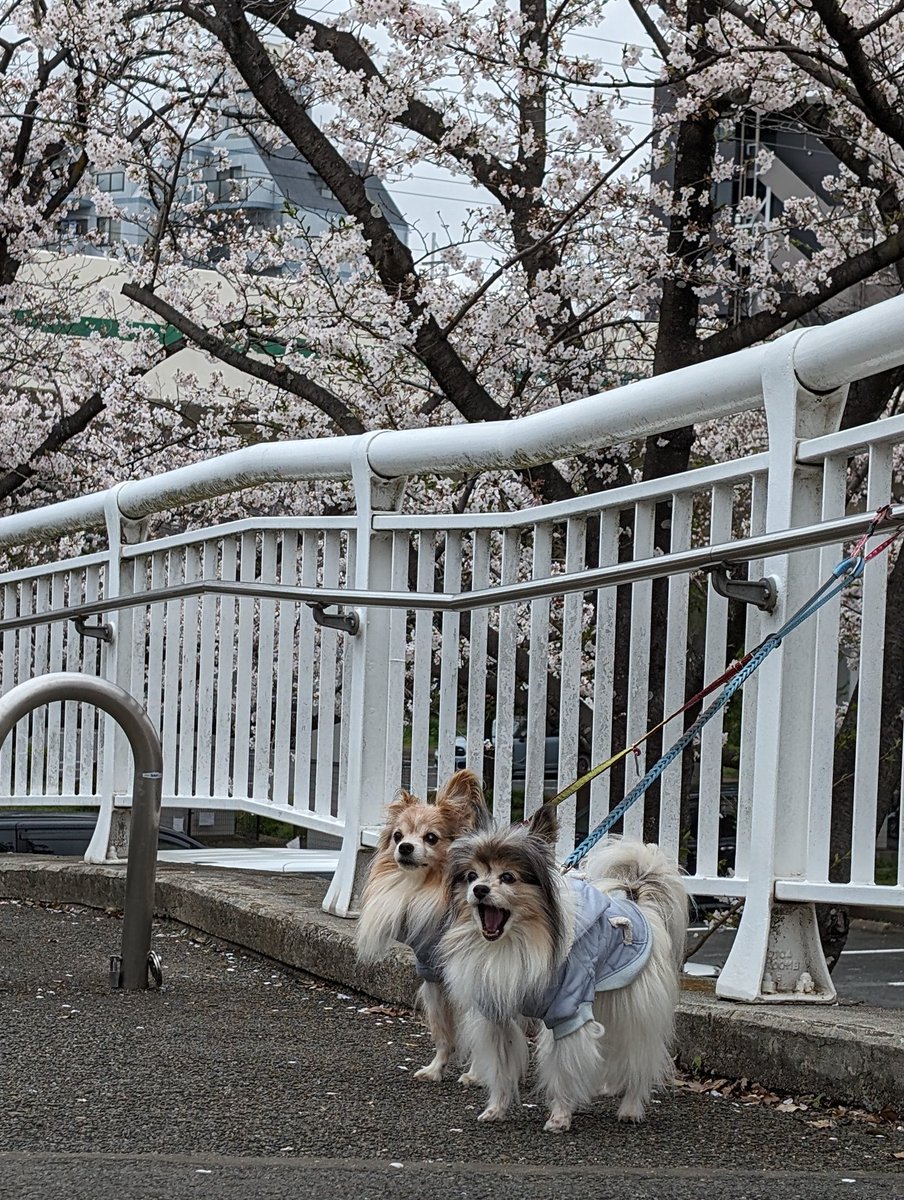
(492, 921)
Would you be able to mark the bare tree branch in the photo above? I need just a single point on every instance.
(763, 325)
(641, 11)
(277, 374)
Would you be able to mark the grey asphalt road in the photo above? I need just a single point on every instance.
(870, 970)
(240, 1080)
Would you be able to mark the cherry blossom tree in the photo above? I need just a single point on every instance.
(588, 273)
(123, 91)
(597, 249)
(594, 274)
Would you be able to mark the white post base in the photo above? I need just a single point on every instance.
(101, 843)
(343, 896)
(793, 969)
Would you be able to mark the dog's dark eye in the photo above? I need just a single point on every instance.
(507, 877)
(471, 876)
(397, 836)
(431, 839)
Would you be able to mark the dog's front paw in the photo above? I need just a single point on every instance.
(468, 1079)
(492, 1112)
(631, 1111)
(433, 1072)
(558, 1122)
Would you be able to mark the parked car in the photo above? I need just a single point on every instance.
(519, 752)
(67, 833)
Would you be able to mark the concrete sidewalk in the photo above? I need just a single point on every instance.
(245, 1080)
(848, 1055)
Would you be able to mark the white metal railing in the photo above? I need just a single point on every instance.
(477, 627)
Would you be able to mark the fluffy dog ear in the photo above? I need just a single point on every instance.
(544, 824)
(400, 802)
(464, 795)
(458, 862)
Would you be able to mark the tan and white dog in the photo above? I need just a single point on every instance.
(405, 897)
(596, 958)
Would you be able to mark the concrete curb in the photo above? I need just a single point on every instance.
(846, 1055)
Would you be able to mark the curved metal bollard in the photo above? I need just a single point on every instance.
(141, 868)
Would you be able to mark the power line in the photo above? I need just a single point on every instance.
(586, 37)
(589, 37)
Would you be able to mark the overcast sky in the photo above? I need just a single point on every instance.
(432, 200)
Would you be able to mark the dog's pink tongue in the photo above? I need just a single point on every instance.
(493, 918)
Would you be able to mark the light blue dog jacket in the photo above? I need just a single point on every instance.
(424, 944)
(612, 942)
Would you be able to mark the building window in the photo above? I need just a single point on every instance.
(74, 227)
(225, 186)
(110, 181)
(109, 230)
(259, 218)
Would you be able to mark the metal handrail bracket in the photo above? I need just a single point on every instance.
(702, 558)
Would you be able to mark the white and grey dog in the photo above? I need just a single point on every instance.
(595, 957)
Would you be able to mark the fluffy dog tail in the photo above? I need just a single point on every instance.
(649, 879)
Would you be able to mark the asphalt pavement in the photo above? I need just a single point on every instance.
(242, 1079)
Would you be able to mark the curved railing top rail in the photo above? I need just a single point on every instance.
(825, 358)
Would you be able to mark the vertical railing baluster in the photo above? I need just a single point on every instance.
(675, 680)
(504, 723)
(264, 663)
(346, 687)
(571, 680)
(306, 648)
(825, 682)
(10, 676)
(639, 668)
(172, 666)
(71, 661)
(449, 655)
(287, 616)
(750, 695)
(709, 772)
(53, 759)
(89, 724)
(326, 691)
(204, 734)
(397, 717)
(188, 677)
(604, 670)
(422, 673)
(24, 670)
(477, 656)
(244, 671)
(869, 684)
(535, 750)
(37, 750)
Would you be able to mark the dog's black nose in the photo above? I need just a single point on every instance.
(481, 891)
(406, 848)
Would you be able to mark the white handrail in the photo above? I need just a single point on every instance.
(826, 358)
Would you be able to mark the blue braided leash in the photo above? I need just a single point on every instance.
(847, 571)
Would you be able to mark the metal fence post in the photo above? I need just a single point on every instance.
(776, 955)
(369, 672)
(138, 910)
(111, 833)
